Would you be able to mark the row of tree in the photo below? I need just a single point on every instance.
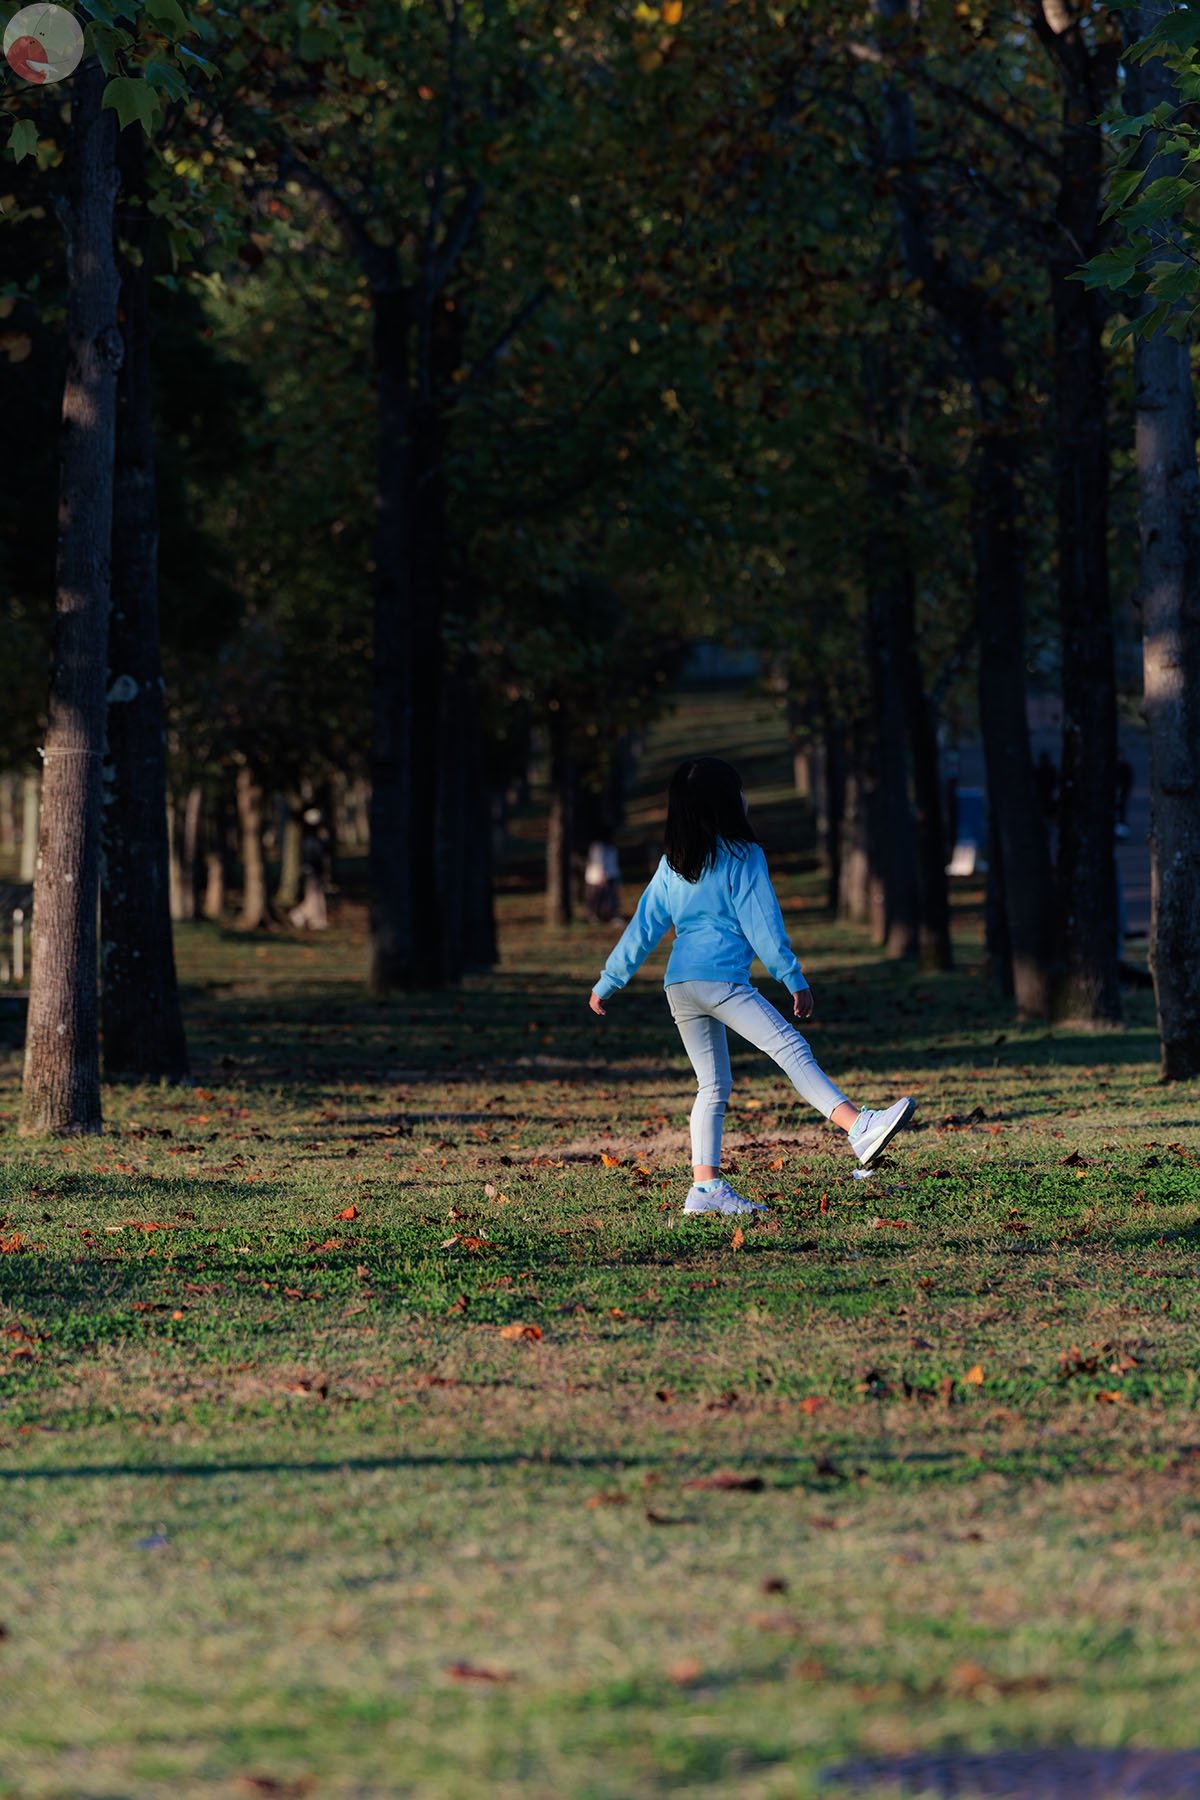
(482, 355)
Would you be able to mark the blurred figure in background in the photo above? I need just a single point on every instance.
(311, 911)
(602, 878)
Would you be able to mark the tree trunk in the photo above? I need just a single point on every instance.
(256, 910)
(560, 830)
(889, 605)
(287, 891)
(1169, 525)
(858, 898)
(8, 812)
(143, 1024)
(934, 949)
(1087, 987)
(436, 912)
(833, 823)
(1022, 859)
(31, 795)
(62, 1066)
(974, 328)
(390, 917)
(183, 838)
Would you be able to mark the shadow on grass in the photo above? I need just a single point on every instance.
(1039, 1774)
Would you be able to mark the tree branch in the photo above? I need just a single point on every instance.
(946, 90)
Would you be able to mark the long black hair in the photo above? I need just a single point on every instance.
(704, 804)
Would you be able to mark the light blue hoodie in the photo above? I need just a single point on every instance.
(721, 923)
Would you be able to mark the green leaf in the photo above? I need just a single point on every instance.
(171, 11)
(166, 77)
(132, 100)
(317, 45)
(23, 139)
(109, 42)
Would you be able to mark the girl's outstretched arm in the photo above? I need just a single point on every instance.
(757, 908)
(643, 932)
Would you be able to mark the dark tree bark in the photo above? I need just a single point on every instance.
(889, 609)
(391, 921)
(217, 829)
(933, 933)
(976, 332)
(143, 1024)
(1169, 524)
(62, 1072)
(831, 825)
(1088, 950)
(560, 829)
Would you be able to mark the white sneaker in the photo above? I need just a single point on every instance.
(721, 1200)
(872, 1131)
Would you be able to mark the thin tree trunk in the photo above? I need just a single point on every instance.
(62, 1065)
(1022, 859)
(287, 891)
(435, 912)
(560, 825)
(889, 604)
(143, 1024)
(8, 811)
(934, 949)
(833, 834)
(31, 794)
(390, 863)
(256, 909)
(183, 838)
(1169, 524)
(1088, 950)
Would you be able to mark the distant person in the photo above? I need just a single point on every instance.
(1124, 789)
(1045, 781)
(311, 911)
(713, 887)
(602, 878)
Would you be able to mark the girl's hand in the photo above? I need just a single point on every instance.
(596, 1005)
(802, 1003)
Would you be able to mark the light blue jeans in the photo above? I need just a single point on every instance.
(703, 1011)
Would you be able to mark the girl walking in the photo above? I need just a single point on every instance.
(713, 887)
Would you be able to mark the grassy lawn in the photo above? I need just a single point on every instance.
(374, 1423)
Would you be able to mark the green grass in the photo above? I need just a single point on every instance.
(271, 1474)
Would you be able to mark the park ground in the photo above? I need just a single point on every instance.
(374, 1424)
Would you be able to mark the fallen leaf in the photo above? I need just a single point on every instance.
(776, 1162)
(611, 1499)
(610, 1162)
(688, 1670)
(465, 1671)
(824, 1205)
(1110, 1397)
(812, 1403)
(738, 1239)
(278, 1787)
(727, 1481)
(348, 1212)
(974, 1376)
(523, 1333)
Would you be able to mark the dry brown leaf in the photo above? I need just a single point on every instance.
(812, 1403)
(738, 1239)
(465, 1671)
(688, 1670)
(610, 1162)
(348, 1212)
(521, 1333)
(974, 1376)
(612, 1499)
(728, 1481)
